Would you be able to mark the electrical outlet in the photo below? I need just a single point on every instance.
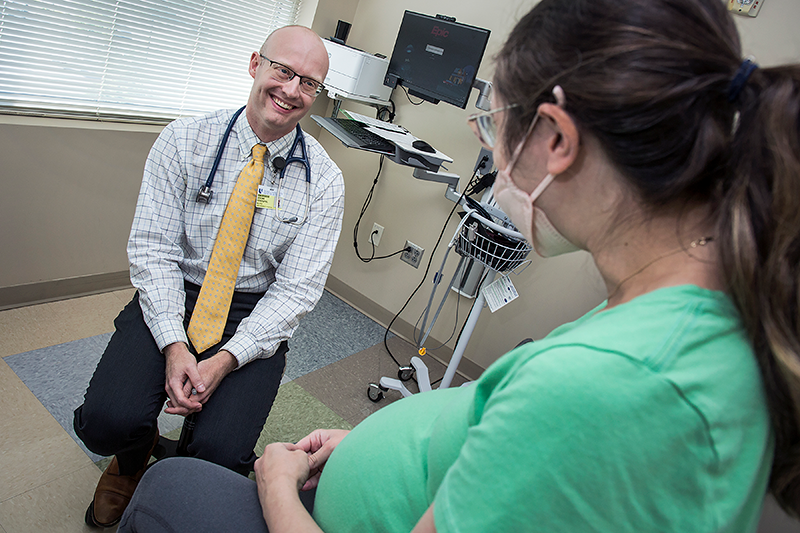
(377, 233)
(412, 254)
(745, 7)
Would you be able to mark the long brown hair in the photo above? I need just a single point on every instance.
(661, 84)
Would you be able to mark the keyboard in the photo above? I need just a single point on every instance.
(369, 121)
(366, 139)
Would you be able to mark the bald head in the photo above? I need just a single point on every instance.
(276, 105)
(301, 42)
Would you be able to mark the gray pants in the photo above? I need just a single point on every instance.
(189, 495)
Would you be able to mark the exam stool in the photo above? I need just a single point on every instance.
(175, 448)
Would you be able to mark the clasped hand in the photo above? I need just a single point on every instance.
(189, 384)
(298, 464)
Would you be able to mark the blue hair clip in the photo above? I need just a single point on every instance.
(740, 79)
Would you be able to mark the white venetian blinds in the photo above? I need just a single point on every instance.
(131, 60)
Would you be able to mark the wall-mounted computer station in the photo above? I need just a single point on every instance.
(435, 59)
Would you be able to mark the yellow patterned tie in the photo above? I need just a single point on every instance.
(214, 301)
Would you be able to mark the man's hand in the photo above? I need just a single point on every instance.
(212, 371)
(319, 445)
(189, 384)
(181, 377)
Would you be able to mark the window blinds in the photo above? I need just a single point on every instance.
(131, 60)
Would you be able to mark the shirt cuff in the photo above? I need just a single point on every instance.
(166, 332)
(244, 348)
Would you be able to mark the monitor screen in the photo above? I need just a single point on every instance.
(436, 59)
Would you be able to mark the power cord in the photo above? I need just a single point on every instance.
(421, 337)
(424, 276)
(486, 181)
(386, 114)
(461, 331)
(367, 201)
(430, 260)
(405, 90)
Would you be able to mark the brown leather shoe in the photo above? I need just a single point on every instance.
(113, 494)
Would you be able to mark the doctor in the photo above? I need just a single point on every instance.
(228, 383)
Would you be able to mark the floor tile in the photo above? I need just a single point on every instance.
(332, 331)
(343, 385)
(55, 507)
(124, 296)
(84, 317)
(295, 414)
(20, 329)
(38, 326)
(34, 449)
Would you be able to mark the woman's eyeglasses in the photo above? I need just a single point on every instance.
(484, 127)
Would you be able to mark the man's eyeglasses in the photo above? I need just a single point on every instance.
(284, 74)
(484, 126)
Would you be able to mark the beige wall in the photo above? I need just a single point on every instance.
(772, 36)
(552, 292)
(68, 194)
(67, 208)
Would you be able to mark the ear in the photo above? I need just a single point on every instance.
(564, 140)
(254, 62)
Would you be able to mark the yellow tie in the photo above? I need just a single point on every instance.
(214, 301)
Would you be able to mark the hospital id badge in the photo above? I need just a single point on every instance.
(267, 197)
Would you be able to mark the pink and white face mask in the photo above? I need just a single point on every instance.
(520, 206)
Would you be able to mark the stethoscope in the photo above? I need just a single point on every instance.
(278, 164)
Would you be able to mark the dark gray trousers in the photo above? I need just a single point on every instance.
(126, 394)
(188, 495)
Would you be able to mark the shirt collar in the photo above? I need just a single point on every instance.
(248, 138)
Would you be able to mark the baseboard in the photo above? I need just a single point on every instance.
(61, 289)
(401, 328)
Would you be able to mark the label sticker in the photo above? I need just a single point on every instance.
(499, 293)
(434, 50)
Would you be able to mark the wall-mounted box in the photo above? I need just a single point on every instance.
(353, 73)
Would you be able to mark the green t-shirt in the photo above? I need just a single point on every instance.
(649, 416)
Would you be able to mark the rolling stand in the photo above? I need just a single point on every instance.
(488, 239)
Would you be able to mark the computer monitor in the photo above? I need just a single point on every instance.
(436, 58)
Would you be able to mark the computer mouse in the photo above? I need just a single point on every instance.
(422, 146)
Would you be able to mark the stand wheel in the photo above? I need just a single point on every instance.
(404, 373)
(375, 392)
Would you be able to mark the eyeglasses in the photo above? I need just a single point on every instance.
(284, 74)
(484, 126)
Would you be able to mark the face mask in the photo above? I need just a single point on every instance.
(531, 221)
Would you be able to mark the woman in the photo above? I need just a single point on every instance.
(633, 130)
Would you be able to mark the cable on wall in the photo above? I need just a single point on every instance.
(474, 179)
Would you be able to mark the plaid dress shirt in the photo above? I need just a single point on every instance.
(173, 235)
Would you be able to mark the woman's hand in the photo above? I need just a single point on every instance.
(319, 445)
(280, 472)
(282, 464)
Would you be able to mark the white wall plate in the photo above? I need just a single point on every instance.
(748, 8)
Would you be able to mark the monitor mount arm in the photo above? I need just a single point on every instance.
(484, 101)
(451, 180)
